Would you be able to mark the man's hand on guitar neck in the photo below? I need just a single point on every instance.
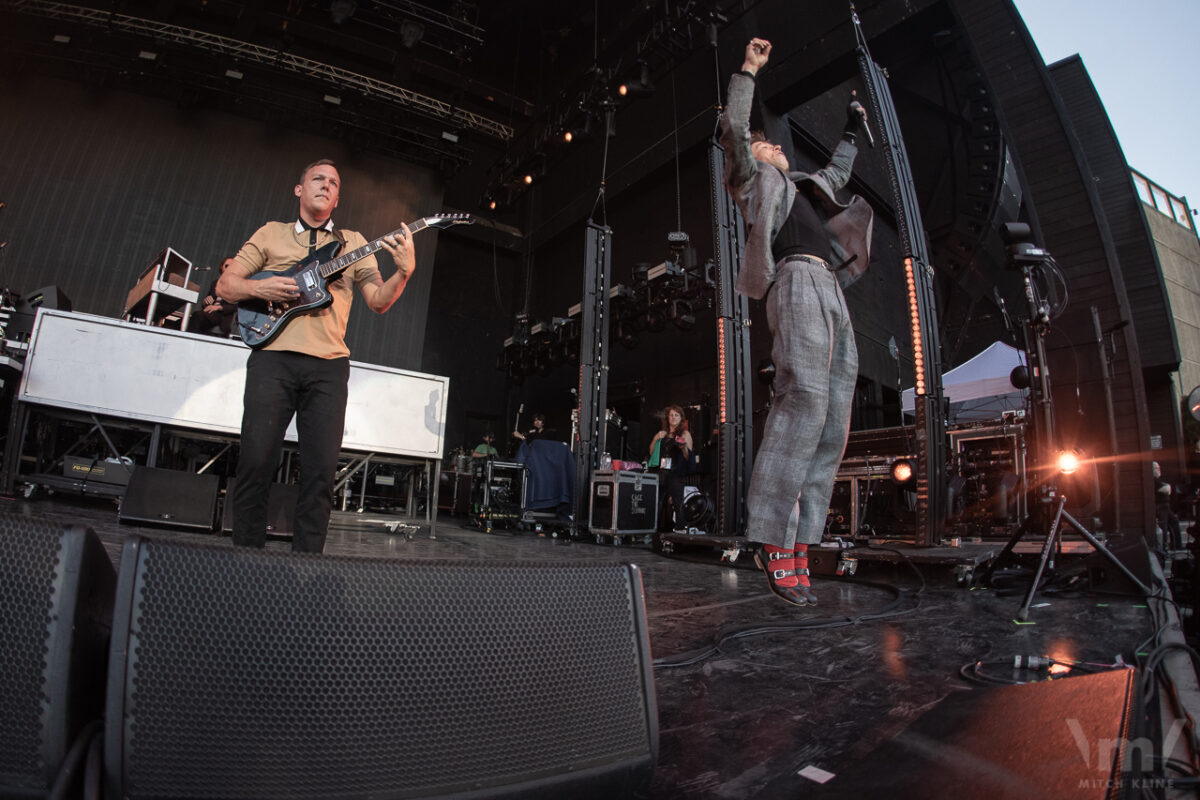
(400, 249)
(382, 294)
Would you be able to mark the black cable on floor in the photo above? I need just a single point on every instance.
(811, 623)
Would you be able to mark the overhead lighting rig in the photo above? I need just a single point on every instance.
(672, 291)
(673, 32)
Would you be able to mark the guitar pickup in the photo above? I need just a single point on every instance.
(310, 282)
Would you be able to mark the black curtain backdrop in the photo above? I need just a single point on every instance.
(97, 182)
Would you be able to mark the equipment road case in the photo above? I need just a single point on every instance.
(623, 504)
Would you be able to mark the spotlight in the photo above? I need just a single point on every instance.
(579, 133)
(642, 86)
(1067, 461)
(682, 316)
(528, 179)
(902, 471)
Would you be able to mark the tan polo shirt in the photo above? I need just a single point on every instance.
(321, 333)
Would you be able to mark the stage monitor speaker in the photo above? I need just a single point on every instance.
(56, 599)
(170, 497)
(267, 674)
(46, 297)
(281, 507)
(1075, 737)
(21, 326)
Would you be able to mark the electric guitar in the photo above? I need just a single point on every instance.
(260, 321)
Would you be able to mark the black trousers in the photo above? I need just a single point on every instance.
(279, 385)
(671, 487)
(1169, 523)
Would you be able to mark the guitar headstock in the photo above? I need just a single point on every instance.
(447, 220)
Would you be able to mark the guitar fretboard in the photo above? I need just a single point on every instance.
(331, 268)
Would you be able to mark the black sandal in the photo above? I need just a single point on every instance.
(786, 593)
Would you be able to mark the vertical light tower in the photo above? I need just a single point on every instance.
(929, 405)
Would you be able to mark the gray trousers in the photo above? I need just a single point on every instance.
(816, 368)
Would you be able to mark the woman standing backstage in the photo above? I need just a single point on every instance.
(673, 448)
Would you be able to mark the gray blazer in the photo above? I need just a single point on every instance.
(764, 194)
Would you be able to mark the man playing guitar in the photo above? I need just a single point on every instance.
(304, 370)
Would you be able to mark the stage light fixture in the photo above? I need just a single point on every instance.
(722, 377)
(1067, 461)
(902, 472)
(682, 316)
(642, 86)
(580, 132)
(915, 322)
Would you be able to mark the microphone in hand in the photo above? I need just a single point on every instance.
(856, 117)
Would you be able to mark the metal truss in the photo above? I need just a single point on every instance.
(251, 53)
(452, 26)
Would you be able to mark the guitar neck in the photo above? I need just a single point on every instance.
(331, 269)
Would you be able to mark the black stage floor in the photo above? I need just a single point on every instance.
(751, 691)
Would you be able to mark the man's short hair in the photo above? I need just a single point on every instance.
(758, 136)
(322, 163)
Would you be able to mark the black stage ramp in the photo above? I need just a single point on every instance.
(751, 691)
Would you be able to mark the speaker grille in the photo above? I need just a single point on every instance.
(29, 565)
(56, 598)
(259, 674)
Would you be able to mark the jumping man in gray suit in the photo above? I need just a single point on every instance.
(802, 245)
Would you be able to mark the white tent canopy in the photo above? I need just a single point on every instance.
(980, 389)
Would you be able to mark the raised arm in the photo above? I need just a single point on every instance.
(740, 165)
